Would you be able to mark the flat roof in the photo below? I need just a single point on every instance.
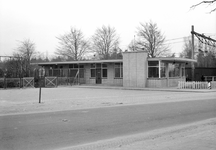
(80, 62)
(166, 59)
(172, 59)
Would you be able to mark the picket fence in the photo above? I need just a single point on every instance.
(193, 85)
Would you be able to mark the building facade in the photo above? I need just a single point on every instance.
(134, 70)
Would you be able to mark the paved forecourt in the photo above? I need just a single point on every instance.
(68, 98)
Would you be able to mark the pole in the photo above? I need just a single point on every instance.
(40, 94)
(192, 53)
(40, 90)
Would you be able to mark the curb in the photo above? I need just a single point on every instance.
(149, 89)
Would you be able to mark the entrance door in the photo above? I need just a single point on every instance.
(98, 76)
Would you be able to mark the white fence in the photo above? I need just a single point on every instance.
(193, 85)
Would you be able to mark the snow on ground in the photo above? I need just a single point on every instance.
(69, 98)
(196, 136)
(201, 135)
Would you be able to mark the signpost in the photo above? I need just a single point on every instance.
(41, 75)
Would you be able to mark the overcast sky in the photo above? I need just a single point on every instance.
(43, 20)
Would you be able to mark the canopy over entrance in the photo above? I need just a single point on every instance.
(172, 59)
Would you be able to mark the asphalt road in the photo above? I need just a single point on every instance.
(67, 128)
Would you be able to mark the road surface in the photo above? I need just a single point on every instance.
(69, 128)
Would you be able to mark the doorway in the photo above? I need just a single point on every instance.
(98, 76)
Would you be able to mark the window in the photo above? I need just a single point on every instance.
(74, 66)
(118, 70)
(104, 73)
(93, 66)
(174, 70)
(81, 66)
(93, 70)
(104, 70)
(153, 71)
(93, 73)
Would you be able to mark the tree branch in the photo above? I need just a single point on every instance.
(204, 2)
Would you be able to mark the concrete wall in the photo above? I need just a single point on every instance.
(135, 69)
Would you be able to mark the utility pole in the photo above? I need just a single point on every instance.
(192, 53)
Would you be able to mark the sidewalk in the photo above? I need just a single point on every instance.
(171, 89)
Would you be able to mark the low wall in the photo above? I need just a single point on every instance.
(156, 82)
(163, 82)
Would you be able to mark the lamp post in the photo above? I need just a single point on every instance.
(41, 75)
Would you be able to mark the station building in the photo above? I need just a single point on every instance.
(134, 70)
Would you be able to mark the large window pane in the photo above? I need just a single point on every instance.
(153, 72)
(174, 70)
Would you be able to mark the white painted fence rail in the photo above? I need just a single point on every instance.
(193, 85)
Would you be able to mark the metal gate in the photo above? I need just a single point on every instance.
(51, 81)
(28, 82)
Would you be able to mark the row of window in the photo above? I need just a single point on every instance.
(174, 69)
(65, 72)
(100, 70)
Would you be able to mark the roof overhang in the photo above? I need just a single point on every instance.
(79, 62)
(172, 59)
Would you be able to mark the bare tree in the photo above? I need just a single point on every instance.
(105, 40)
(72, 45)
(151, 39)
(209, 2)
(25, 51)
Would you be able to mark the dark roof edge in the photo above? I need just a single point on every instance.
(80, 62)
